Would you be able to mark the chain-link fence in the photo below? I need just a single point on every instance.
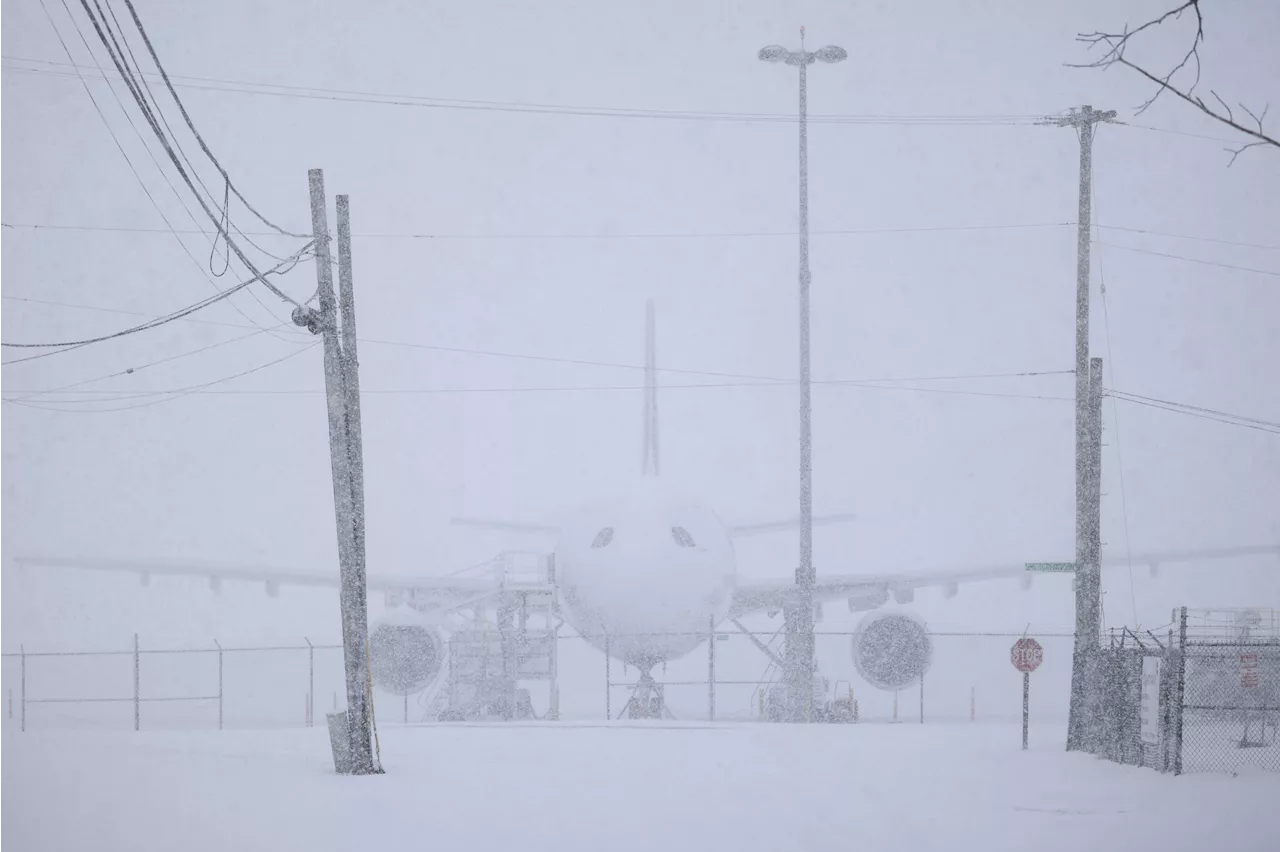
(150, 688)
(969, 678)
(1231, 707)
(728, 678)
(1129, 685)
(1203, 698)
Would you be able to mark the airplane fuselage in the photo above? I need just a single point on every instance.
(645, 575)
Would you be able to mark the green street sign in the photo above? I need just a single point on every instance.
(1052, 567)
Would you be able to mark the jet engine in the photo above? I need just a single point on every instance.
(405, 655)
(891, 650)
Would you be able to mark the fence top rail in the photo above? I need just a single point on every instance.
(144, 651)
(1234, 643)
(214, 649)
(67, 654)
(129, 700)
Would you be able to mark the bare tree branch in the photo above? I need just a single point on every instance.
(1116, 45)
(1230, 115)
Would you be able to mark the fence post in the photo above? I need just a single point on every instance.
(137, 679)
(921, 699)
(608, 707)
(219, 644)
(973, 705)
(24, 686)
(311, 682)
(1181, 690)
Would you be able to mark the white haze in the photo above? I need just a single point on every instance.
(937, 250)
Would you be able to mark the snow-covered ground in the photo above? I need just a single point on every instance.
(614, 786)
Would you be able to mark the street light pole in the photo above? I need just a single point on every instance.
(799, 617)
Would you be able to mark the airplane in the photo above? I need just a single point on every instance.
(644, 574)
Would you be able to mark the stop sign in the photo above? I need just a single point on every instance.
(1026, 654)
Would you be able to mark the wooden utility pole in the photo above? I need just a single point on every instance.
(1088, 586)
(342, 393)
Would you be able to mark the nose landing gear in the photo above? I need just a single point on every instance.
(647, 700)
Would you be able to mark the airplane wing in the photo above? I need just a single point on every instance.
(436, 591)
(869, 591)
(762, 527)
(735, 530)
(504, 526)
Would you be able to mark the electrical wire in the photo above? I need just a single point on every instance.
(70, 345)
(168, 148)
(670, 235)
(171, 229)
(1272, 428)
(585, 388)
(459, 350)
(124, 312)
(624, 236)
(139, 83)
(1191, 259)
(1133, 397)
(129, 371)
(1115, 411)
(174, 394)
(1149, 232)
(146, 39)
(1173, 132)
(385, 99)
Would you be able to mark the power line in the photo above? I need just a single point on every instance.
(459, 350)
(173, 394)
(33, 226)
(168, 148)
(579, 388)
(1272, 428)
(171, 229)
(1173, 132)
(191, 125)
(1191, 259)
(1153, 233)
(128, 371)
(1134, 397)
(123, 311)
(69, 345)
(139, 82)
(621, 236)
(385, 99)
(1115, 414)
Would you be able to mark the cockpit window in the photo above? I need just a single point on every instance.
(603, 537)
(682, 537)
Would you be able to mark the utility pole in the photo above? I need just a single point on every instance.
(341, 391)
(1088, 587)
(799, 616)
(1089, 572)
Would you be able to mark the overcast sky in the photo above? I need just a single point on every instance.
(550, 230)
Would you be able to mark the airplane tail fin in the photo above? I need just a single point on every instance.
(649, 465)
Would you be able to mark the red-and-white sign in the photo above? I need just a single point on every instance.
(1026, 654)
(1249, 671)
